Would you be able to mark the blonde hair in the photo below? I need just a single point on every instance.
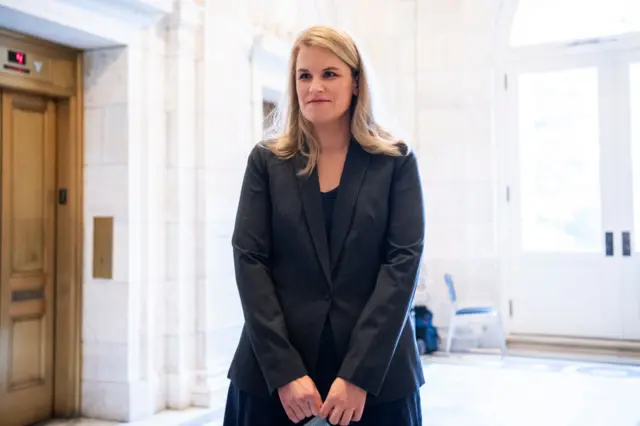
(294, 134)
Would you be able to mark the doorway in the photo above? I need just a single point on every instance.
(40, 230)
(573, 170)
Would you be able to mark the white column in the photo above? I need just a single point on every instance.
(137, 211)
(228, 138)
(181, 203)
(201, 391)
(152, 309)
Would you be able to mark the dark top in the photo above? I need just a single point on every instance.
(328, 364)
(296, 274)
(328, 203)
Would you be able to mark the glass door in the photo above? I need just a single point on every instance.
(629, 184)
(562, 267)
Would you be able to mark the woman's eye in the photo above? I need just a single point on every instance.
(304, 76)
(329, 74)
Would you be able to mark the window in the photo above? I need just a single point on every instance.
(556, 21)
(635, 147)
(559, 161)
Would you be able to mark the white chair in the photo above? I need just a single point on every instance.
(471, 310)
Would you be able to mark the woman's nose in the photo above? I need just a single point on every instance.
(316, 85)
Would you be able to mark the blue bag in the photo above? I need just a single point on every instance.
(427, 336)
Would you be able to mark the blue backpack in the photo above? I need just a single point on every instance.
(427, 336)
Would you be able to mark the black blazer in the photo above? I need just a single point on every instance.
(289, 283)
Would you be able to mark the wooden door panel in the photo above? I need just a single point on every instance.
(27, 354)
(28, 213)
(27, 254)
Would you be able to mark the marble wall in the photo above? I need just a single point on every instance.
(456, 68)
(106, 340)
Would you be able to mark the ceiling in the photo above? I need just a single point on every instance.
(52, 22)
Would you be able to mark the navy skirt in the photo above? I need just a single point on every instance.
(244, 409)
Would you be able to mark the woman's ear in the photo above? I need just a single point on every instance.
(356, 85)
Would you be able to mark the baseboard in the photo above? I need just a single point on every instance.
(607, 345)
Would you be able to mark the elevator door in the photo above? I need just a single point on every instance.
(28, 258)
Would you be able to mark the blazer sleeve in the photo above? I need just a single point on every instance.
(376, 334)
(264, 322)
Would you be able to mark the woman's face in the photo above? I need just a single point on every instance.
(324, 85)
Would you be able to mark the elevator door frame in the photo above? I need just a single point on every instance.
(69, 215)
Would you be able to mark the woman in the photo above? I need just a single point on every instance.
(327, 245)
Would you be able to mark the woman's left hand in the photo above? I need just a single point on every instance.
(344, 403)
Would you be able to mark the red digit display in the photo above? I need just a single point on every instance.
(19, 58)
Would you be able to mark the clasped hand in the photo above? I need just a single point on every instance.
(344, 403)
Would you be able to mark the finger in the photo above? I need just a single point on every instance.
(292, 416)
(312, 409)
(336, 415)
(315, 403)
(326, 408)
(357, 415)
(347, 416)
(298, 411)
(306, 408)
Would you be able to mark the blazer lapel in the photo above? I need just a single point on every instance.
(355, 168)
(309, 187)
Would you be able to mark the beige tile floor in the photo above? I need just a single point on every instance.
(485, 390)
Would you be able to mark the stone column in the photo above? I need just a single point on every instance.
(181, 276)
(137, 231)
(152, 307)
(200, 395)
(228, 138)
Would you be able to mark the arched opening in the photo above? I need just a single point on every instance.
(569, 130)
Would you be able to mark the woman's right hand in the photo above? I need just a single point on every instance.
(300, 399)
